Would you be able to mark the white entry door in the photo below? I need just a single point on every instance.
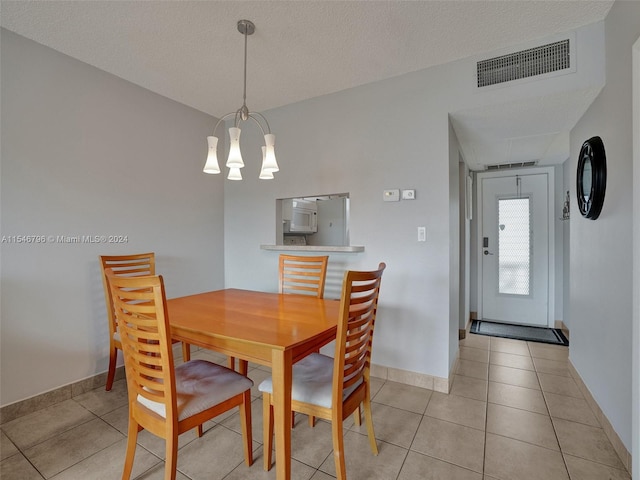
(515, 249)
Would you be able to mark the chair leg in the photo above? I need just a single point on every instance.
(338, 448)
(267, 430)
(132, 438)
(312, 421)
(357, 416)
(171, 456)
(368, 418)
(113, 356)
(186, 352)
(199, 430)
(243, 367)
(245, 423)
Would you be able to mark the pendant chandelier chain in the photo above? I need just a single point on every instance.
(244, 114)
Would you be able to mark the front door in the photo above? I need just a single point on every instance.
(515, 248)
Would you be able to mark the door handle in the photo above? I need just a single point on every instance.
(487, 252)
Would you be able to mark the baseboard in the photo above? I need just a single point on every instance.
(25, 407)
(621, 450)
(462, 333)
(454, 369)
(472, 316)
(415, 379)
(66, 392)
(38, 402)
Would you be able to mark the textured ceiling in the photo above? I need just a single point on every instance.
(191, 51)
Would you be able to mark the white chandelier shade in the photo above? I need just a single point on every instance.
(235, 157)
(269, 163)
(234, 160)
(234, 174)
(212, 159)
(264, 173)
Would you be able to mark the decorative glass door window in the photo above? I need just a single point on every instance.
(514, 246)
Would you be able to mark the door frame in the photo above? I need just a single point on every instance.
(551, 283)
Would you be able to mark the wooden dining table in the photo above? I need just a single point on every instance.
(269, 329)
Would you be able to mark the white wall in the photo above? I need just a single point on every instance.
(86, 153)
(601, 250)
(342, 143)
(455, 231)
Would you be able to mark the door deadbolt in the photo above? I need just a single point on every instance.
(487, 252)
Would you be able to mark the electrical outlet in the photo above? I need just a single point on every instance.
(422, 234)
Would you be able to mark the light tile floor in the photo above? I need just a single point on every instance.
(514, 413)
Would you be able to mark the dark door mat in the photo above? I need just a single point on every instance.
(519, 332)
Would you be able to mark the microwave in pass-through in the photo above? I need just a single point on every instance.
(300, 216)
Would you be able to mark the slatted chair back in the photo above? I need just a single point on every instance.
(128, 266)
(303, 274)
(358, 308)
(139, 304)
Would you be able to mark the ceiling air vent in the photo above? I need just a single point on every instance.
(527, 63)
(505, 166)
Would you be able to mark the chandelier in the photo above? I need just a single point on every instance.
(234, 161)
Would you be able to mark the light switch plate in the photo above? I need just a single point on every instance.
(408, 194)
(391, 195)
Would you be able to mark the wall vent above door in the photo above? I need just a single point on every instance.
(527, 63)
(505, 166)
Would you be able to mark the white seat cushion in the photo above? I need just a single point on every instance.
(312, 381)
(201, 385)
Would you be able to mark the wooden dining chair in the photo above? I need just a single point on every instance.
(334, 388)
(297, 274)
(164, 399)
(128, 266)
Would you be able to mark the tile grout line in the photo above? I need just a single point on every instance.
(553, 425)
(546, 404)
(22, 450)
(486, 418)
(404, 461)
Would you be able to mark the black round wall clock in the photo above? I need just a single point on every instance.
(591, 178)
